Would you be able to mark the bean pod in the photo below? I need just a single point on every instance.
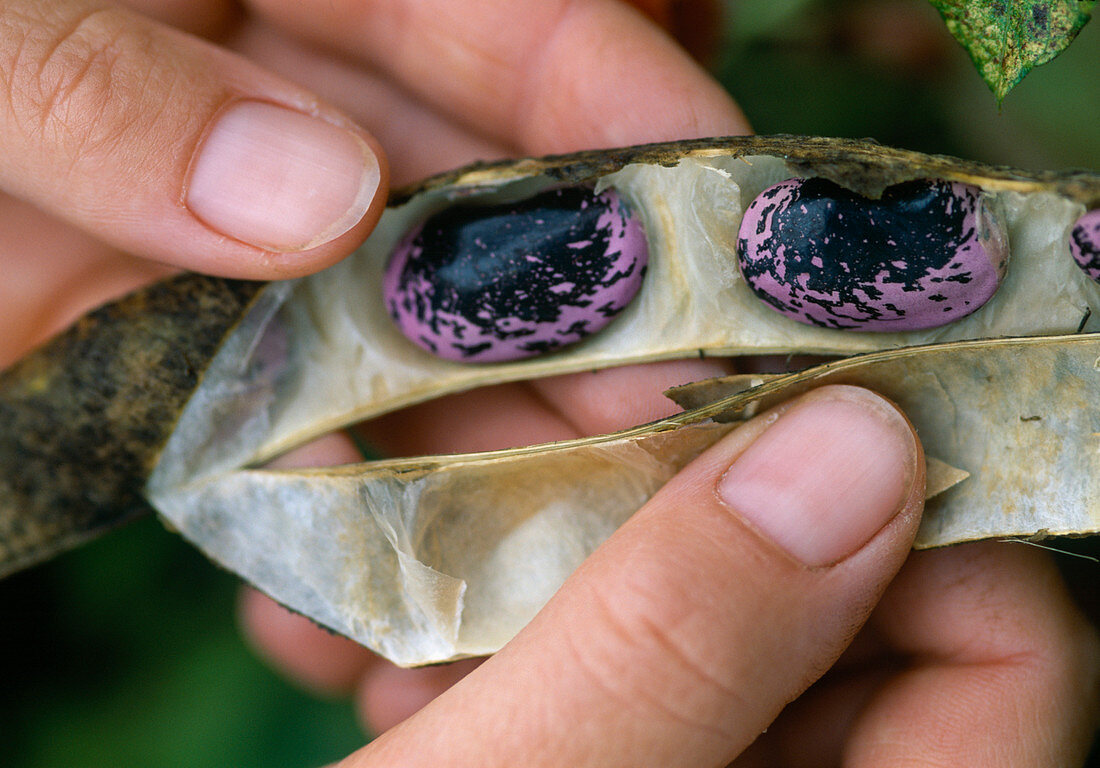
(431, 558)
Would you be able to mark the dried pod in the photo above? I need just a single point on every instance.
(925, 254)
(1084, 243)
(504, 282)
(432, 558)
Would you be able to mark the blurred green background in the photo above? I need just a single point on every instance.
(126, 653)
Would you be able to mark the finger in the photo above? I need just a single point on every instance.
(682, 637)
(489, 418)
(813, 730)
(546, 76)
(52, 274)
(166, 146)
(401, 122)
(211, 19)
(561, 408)
(598, 402)
(317, 660)
(695, 24)
(388, 694)
(328, 451)
(660, 11)
(1008, 671)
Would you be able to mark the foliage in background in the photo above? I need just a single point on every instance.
(1006, 38)
(125, 653)
(811, 67)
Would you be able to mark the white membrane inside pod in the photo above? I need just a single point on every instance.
(431, 563)
(430, 559)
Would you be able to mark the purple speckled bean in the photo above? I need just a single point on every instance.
(924, 255)
(1084, 243)
(505, 282)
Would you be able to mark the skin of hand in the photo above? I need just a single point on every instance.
(259, 140)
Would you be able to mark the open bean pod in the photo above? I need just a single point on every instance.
(439, 557)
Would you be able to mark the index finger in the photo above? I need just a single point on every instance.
(541, 75)
(166, 146)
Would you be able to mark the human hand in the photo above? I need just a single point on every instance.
(111, 117)
(132, 148)
(746, 577)
(617, 708)
(106, 111)
(125, 136)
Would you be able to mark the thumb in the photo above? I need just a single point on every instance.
(680, 640)
(170, 147)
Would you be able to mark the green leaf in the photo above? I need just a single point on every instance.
(1006, 38)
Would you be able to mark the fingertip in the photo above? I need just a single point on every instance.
(313, 657)
(282, 190)
(598, 402)
(828, 473)
(171, 148)
(632, 83)
(285, 181)
(388, 695)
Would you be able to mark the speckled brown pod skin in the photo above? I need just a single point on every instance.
(83, 419)
(861, 165)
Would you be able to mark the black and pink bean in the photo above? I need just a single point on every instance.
(503, 282)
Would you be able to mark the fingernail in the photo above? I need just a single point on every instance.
(280, 179)
(826, 476)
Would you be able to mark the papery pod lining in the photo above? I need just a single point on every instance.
(447, 556)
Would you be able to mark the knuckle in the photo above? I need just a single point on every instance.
(69, 81)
